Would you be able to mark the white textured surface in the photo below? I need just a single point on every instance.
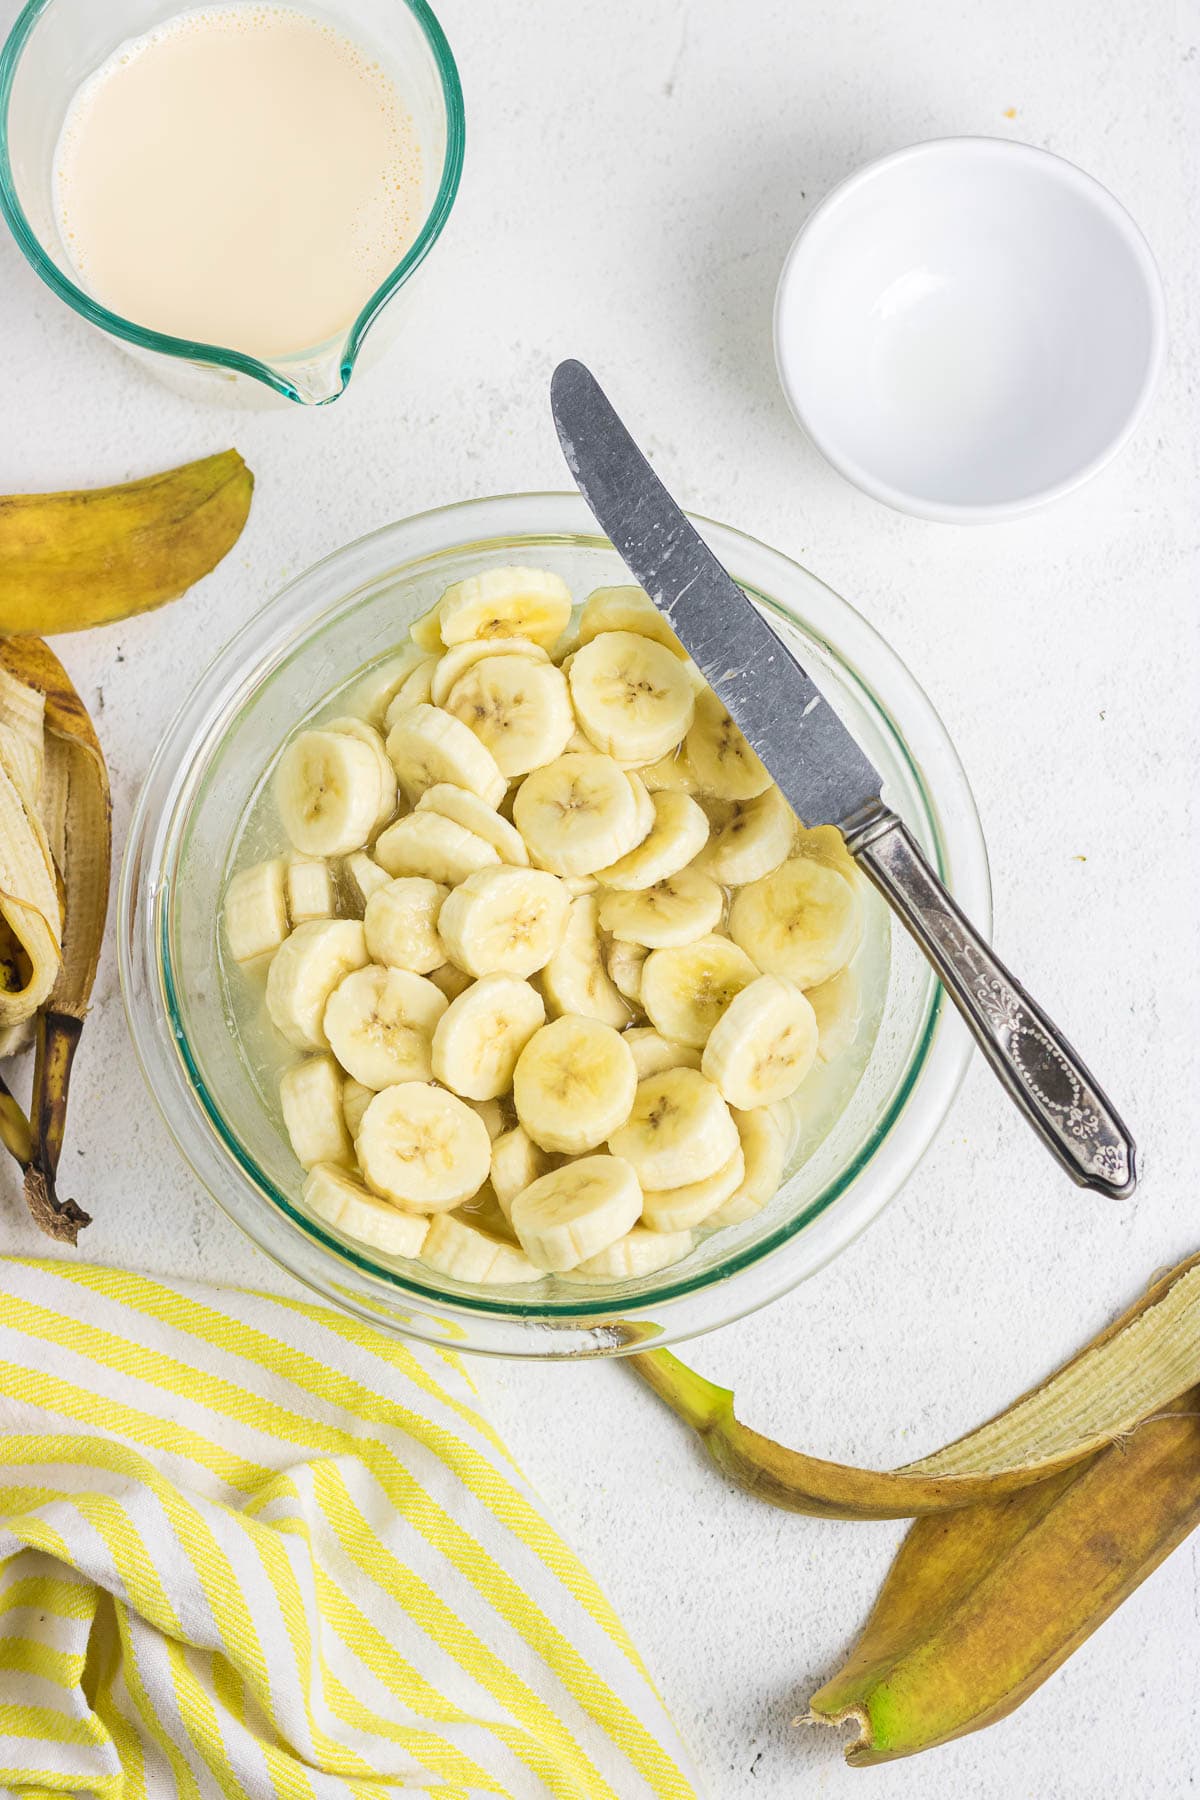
(634, 176)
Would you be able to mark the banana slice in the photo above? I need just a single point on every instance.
(374, 694)
(518, 707)
(379, 1023)
(493, 1115)
(578, 885)
(677, 911)
(763, 1045)
(507, 602)
(401, 924)
(422, 1148)
(803, 922)
(631, 696)
(573, 1085)
(624, 964)
(339, 1200)
(450, 980)
(457, 660)
(327, 790)
(426, 632)
(678, 835)
(652, 1053)
(431, 845)
(469, 811)
(465, 1252)
(415, 690)
(764, 1150)
(311, 1100)
(683, 1208)
(837, 1004)
(304, 972)
(825, 844)
(575, 979)
(679, 1130)
(505, 921)
(367, 734)
(517, 1162)
(355, 1100)
(578, 814)
(721, 760)
(256, 915)
(362, 878)
(482, 1211)
(686, 989)
(749, 838)
(643, 805)
(482, 1033)
(308, 882)
(428, 745)
(575, 1212)
(639, 1252)
(671, 774)
(626, 609)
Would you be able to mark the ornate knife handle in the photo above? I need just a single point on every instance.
(1066, 1107)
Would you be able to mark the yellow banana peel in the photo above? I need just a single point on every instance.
(71, 560)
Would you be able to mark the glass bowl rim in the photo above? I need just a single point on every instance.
(265, 640)
(142, 337)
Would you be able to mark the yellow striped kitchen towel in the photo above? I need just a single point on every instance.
(250, 1547)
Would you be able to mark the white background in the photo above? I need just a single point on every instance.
(634, 175)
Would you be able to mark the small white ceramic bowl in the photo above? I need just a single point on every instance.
(969, 328)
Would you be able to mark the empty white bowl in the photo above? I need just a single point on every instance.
(968, 328)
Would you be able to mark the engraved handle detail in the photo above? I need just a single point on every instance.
(1042, 1073)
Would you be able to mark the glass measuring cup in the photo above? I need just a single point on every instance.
(56, 44)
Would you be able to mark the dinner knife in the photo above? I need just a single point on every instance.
(829, 780)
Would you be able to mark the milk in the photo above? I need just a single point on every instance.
(242, 176)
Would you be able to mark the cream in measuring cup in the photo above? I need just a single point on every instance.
(244, 176)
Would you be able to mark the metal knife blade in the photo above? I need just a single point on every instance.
(824, 773)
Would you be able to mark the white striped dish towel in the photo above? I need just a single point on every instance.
(252, 1548)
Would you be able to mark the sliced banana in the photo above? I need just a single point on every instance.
(460, 658)
(428, 745)
(576, 1212)
(465, 1252)
(256, 914)
(679, 1130)
(367, 734)
(624, 964)
(577, 885)
(450, 980)
(327, 790)
(483, 1032)
(338, 1199)
(679, 910)
(431, 845)
(415, 690)
(639, 1252)
(493, 1115)
(473, 814)
(362, 877)
(304, 972)
(426, 631)
(643, 805)
(573, 1085)
(683, 1208)
(803, 921)
(678, 835)
(311, 1101)
(671, 774)
(380, 1024)
(764, 1151)
(401, 924)
(686, 989)
(575, 980)
(578, 814)
(837, 1004)
(519, 708)
(355, 1100)
(749, 838)
(763, 1045)
(506, 602)
(825, 844)
(631, 696)
(422, 1148)
(483, 1211)
(626, 609)
(308, 881)
(720, 758)
(517, 1162)
(374, 694)
(652, 1053)
(504, 921)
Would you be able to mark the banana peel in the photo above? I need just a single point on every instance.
(982, 1604)
(71, 560)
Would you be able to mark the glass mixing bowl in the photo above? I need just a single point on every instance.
(319, 633)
